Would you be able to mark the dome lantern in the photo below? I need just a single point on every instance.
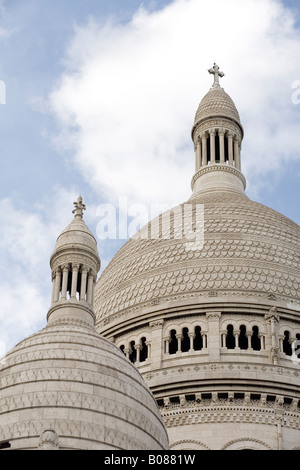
(217, 135)
(75, 263)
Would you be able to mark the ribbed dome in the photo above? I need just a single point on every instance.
(70, 380)
(249, 251)
(77, 235)
(217, 103)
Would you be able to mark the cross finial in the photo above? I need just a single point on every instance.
(215, 70)
(79, 208)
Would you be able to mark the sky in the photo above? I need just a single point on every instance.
(98, 98)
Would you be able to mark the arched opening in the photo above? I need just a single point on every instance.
(217, 147)
(255, 339)
(198, 340)
(185, 342)
(122, 348)
(226, 149)
(243, 340)
(173, 347)
(132, 353)
(230, 339)
(208, 150)
(287, 347)
(144, 350)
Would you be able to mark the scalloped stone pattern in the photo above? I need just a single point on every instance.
(217, 103)
(69, 379)
(249, 250)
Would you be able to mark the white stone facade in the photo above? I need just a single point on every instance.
(208, 310)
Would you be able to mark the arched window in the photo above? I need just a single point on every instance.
(287, 348)
(230, 339)
(255, 339)
(198, 341)
(122, 348)
(132, 353)
(173, 347)
(185, 342)
(243, 340)
(144, 350)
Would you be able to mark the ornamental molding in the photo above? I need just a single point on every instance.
(218, 167)
(227, 123)
(217, 413)
(247, 440)
(196, 444)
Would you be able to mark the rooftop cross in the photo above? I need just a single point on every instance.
(79, 208)
(215, 70)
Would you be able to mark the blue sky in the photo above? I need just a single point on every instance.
(100, 100)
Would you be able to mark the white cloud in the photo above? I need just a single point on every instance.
(127, 100)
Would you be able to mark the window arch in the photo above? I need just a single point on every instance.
(132, 352)
(144, 350)
(198, 340)
(243, 340)
(173, 346)
(185, 342)
(287, 347)
(230, 339)
(255, 339)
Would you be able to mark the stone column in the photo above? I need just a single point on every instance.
(167, 343)
(90, 288)
(222, 145)
(157, 343)
(84, 272)
(272, 319)
(236, 334)
(212, 147)
(213, 337)
(198, 154)
(230, 148)
(237, 153)
(57, 284)
(191, 336)
(179, 338)
(223, 339)
(65, 282)
(75, 269)
(204, 149)
(137, 347)
(53, 287)
(148, 344)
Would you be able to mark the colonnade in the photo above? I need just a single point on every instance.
(73, 282)
(218, 146)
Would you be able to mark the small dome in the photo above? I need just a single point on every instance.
(76, 242)
(67, 387)
(217, 103)
(77, 235)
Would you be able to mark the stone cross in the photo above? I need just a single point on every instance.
(215, 70)
(79, 208)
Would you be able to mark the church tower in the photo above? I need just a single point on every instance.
(208, 309)
(66, 387)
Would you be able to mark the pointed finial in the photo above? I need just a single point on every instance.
(79, 208)
(215, 70)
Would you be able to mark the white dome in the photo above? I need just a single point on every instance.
(70, 380)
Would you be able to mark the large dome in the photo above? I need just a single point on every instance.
(205, 301)
(249, 251)
(69, 380)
